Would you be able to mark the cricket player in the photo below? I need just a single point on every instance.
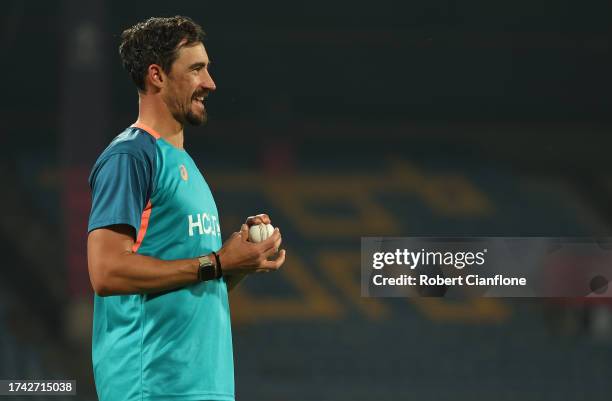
(160, 272)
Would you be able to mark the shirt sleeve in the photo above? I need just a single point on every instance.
(121, 188)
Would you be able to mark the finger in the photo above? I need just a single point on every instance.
(274, 264)
(252, 220)
(276, 243)
(244, 232)
(258, 219)
(270, 252)
(270, 242)
(264, 218)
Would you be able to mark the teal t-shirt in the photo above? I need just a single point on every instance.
(175, 345)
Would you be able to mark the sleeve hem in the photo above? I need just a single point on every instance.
(105, 223)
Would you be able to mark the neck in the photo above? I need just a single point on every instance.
(153, 113)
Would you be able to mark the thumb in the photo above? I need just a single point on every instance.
(244, 232)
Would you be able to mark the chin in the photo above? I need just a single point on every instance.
(196, 120)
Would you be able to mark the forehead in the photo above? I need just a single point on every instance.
(191, 54)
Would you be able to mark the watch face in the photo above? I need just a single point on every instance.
(204, 261)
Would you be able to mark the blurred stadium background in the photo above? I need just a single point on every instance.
(341, 120)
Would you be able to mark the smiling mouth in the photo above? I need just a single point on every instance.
(199, 100)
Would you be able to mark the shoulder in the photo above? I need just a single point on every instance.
(133, 144)
(132, 141)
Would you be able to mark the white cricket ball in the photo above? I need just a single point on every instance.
(260, 232)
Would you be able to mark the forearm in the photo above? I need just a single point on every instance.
(114, 269)
(132, 273)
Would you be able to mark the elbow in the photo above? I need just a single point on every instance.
(101, 290)
(101, 279)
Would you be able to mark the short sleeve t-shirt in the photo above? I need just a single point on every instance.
(175, 345)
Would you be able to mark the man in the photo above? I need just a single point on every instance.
(161, 277)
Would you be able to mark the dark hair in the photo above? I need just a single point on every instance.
(155, 41)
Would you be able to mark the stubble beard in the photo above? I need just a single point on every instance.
(189, 117)
(186, 115)
(195, 120)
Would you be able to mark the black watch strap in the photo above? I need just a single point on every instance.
(218, 264)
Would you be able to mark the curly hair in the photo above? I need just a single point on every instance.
(155, 41)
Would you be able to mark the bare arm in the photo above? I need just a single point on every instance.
(114, 269)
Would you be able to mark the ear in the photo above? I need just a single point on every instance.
(156, 76)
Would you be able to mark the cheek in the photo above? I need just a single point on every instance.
(181, 89)
(187, 90)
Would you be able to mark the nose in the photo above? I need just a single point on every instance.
(208, 82)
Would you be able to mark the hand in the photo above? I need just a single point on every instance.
(258, 219)
(238, 255)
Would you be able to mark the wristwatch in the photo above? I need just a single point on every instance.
(206, 270)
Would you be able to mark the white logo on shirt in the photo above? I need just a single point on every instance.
(204, 223)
